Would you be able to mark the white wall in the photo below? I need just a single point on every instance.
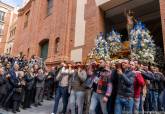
(76, 55)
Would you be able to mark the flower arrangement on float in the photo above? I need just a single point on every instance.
(101, 49)
(106, 47)
(141, 44)
(114, 42)
(141, 48)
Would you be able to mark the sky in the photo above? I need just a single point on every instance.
(15, 3)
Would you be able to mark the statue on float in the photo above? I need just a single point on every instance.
(141, 46)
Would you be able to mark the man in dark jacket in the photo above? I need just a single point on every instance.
(3, 91)
(161, 88)
(145, 96)
(8, 89)
(12, 83)
(49, 83)
(29, 78)
(125, 92)
(19, 84)
(154, 90)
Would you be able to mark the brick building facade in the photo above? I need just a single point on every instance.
(58, 30)
(45, 28)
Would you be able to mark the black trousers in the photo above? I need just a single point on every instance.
(16, 105)
(49, 92)
(33, 93)
(2, 96)
(27, 99)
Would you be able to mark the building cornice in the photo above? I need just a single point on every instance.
(25, 8)
(6, 6)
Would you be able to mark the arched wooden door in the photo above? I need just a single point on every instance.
(44, 49)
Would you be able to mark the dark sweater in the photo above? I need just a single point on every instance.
(126, 84)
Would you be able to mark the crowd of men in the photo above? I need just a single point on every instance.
(102, 87)
(24, 82)
(110, 87)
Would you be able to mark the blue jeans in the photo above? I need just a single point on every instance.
(163, 99)
(61, 92)
(97, 98)
(153, 100)
(141, 104)
(136, 105)
(123, 105)
(77, 99)
(160, 102)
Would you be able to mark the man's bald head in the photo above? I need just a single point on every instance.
(16, 66)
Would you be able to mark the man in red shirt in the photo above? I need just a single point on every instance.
(138, 85)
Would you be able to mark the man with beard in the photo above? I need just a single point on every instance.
(102, 88)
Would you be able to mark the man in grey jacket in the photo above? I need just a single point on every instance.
(77, 95)
(62, 90)
(40, 81)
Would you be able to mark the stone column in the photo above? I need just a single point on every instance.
(162, 13)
